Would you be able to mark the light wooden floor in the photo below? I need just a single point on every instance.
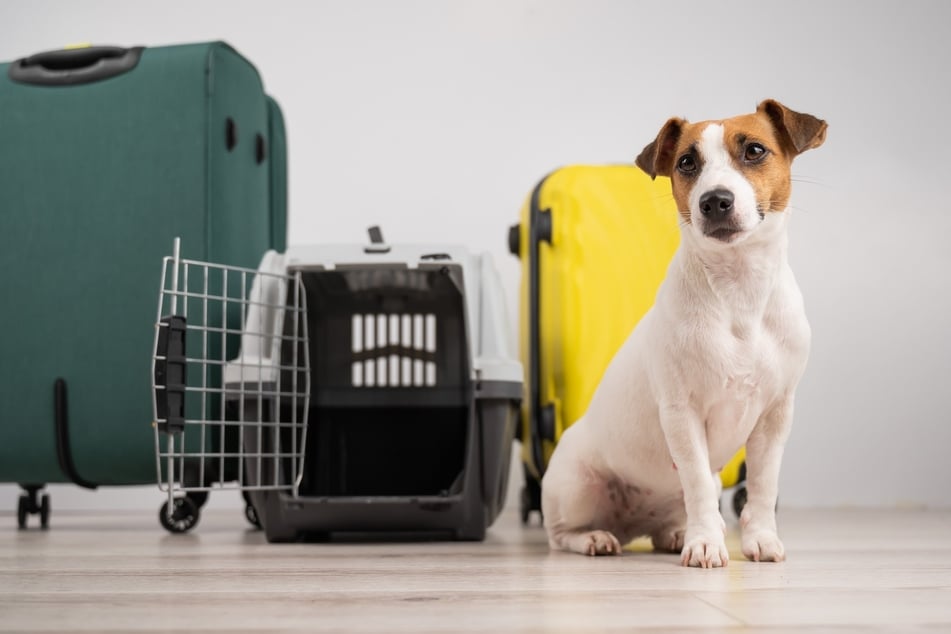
(851, 571)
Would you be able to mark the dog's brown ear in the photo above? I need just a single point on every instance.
(799, 131)
(657, 159)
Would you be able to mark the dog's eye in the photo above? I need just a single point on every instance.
(754, 152)
(686, 164)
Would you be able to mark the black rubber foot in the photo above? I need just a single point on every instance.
(252, 516)
(250, 513)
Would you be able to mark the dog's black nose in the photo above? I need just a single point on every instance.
(716, 204)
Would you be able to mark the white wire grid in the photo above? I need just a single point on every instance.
(246, 418)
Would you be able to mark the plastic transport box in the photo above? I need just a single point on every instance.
(376, 389)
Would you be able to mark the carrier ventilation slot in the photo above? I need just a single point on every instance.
(393, 350)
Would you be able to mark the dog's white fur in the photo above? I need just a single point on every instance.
(712, 366)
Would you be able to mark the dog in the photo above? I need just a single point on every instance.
(712, 366)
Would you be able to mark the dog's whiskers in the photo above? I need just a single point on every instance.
(808, 179)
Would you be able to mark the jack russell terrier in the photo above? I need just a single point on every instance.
(712, 366)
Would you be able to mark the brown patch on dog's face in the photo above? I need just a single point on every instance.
(686, 165)
(760, 156)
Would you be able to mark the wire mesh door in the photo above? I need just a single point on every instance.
(231, 378)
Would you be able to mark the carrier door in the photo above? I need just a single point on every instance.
(231, 377)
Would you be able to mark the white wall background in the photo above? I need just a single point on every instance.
(435, 119)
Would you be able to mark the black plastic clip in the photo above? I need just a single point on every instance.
(170, 374)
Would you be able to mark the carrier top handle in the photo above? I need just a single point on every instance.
(69, 67)
(376, 241)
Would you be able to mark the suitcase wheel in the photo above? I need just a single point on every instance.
(22, 512)
(524, 504)
(29, 503)
(45, 511)
(739, 499)
(184, 515)
(530, 500)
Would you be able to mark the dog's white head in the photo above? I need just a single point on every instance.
(729, 176)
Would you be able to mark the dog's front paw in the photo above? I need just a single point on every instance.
(705, 552)
(763, 545)
(601, 543)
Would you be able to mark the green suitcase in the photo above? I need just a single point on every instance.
(106, 155)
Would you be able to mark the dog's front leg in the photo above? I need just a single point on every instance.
(685, 433)
(764, 453)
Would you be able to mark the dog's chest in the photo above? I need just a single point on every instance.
(751, 339)
(747, 366)
(746, 359)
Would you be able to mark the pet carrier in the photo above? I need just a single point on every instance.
(376, 389)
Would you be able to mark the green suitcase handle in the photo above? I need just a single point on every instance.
(69, 67)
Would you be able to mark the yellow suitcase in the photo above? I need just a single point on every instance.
(594, 243)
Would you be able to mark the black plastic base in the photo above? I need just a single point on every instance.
(288, 519)
(456, 506)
